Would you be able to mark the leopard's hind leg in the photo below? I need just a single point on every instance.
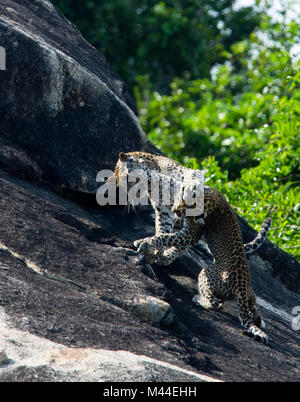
(250, 317)
(256, 315)
(208, 287)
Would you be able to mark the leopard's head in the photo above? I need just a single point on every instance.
(131, 161)
(138, 160)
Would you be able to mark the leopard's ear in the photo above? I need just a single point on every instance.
(122, 157)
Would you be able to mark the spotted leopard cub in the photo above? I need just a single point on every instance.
(168, 174)
(169, 217)
(229, 277)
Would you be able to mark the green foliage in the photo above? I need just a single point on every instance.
(227, 117)
(160, 39)
(272, 187)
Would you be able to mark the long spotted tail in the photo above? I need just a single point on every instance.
(260, 238)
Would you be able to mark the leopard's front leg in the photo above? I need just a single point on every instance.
(187, 236)
(164, 219)
(170, 255)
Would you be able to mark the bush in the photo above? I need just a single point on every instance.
(228, 116)
(160, 39)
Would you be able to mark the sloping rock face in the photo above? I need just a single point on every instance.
(76, 301)
(38, 359)
(60, 101)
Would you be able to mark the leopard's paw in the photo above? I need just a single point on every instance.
(144, 246)
(208, 304)
(256, 333)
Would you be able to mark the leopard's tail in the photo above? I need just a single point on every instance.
(260, 238)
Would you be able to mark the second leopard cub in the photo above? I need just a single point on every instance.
(229, 277)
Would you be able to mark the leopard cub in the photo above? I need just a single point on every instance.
(228, 278)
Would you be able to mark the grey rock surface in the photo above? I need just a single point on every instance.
(60, 99)
(33, 358)
(77, 303)
(69, 274)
